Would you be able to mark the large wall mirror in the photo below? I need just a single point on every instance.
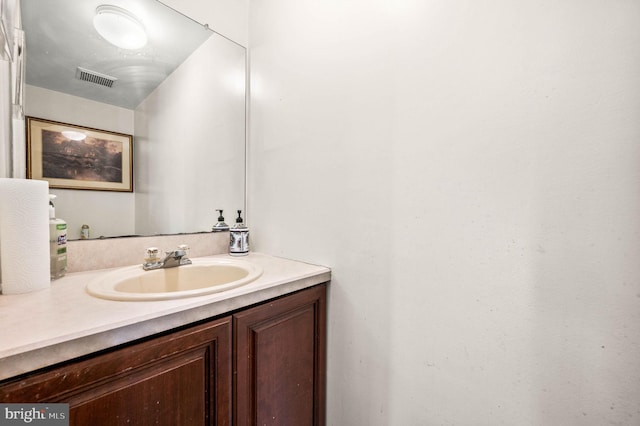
(181, 96)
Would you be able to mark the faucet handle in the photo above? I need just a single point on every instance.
(151, 259)
(181, 248)
(185, 256)
(152, 255)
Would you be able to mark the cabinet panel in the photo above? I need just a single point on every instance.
(183, 378)
(280, 361)
(171, 393)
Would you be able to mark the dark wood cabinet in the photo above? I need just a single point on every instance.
(264, 365)
(183, 378)
(280, 361)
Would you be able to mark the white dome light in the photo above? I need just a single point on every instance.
(119, 27)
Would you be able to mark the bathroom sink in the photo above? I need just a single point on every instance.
(203, 276)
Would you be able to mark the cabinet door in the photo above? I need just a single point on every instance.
(279, 355)
(183, 378)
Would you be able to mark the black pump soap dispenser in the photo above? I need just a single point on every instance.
(220, 226)
(239, 241)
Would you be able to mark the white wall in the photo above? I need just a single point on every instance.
(190, 143)
(471, 172)
(214, 167)
(226, 17)
(107, 213)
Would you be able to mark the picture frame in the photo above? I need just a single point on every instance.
(69, 156)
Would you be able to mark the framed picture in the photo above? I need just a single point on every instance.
(77, 157)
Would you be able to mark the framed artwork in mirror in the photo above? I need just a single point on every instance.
(69, 156)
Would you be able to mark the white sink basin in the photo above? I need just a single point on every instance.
(204, 276)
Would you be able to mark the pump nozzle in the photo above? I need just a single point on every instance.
(52, 208)
(220, 226)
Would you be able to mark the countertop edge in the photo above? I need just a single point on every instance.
(31, 360)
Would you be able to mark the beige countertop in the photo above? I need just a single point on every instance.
(64, 322)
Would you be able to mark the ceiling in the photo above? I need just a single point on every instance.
(60, 37)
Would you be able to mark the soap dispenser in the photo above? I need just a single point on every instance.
(57, 242)
(220, 226)
(239, 241)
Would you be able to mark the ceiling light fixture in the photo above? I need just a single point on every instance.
(119, 27)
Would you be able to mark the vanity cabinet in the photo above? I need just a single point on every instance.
(262, 365)
(279, 370)
(183, 378)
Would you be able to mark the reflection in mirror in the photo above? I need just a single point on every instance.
(182, 96)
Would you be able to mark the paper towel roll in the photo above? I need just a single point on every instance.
(24, 235)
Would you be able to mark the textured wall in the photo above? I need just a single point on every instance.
(190, 143)
(471, 172)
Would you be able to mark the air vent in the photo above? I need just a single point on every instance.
(95, 77)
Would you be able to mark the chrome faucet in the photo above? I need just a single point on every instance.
(173, 258)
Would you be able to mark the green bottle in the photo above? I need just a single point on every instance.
(57, 242)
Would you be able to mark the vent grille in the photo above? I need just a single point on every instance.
(95, 77)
